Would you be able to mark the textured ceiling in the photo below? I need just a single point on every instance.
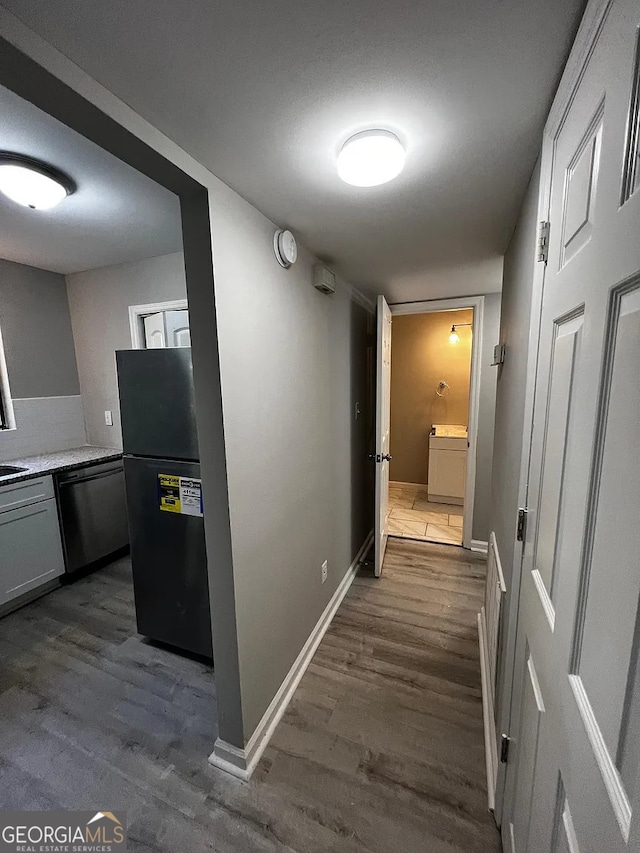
(116, 214)
(264, 93)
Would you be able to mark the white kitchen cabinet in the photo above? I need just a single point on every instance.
(447, 466)
(30, 546)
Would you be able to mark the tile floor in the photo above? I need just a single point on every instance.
(413, 516)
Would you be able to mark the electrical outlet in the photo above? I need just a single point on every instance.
(324, 571)
(108, 418)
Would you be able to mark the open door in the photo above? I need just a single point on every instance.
(155, 333)
(383, 417)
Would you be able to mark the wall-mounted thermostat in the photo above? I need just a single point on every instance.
(285, 248)
(324, 279)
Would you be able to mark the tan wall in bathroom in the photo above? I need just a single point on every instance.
(421, 356)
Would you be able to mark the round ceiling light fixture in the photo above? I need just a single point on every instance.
(370, 158)
(31, 183)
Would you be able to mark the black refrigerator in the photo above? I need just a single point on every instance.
(164, 497)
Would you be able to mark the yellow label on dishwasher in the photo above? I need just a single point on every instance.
(169, 493)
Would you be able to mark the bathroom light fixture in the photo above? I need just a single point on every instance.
(31, 183)
(454, 337)
(371, 158)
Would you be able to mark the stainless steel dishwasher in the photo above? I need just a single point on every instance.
(93, 513)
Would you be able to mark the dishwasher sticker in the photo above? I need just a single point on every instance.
(180, 494)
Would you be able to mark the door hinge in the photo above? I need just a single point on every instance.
(543, 242)
(521, 530)
(505, 740)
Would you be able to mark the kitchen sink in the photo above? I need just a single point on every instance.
(8, 470)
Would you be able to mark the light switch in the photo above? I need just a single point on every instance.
(108, 418)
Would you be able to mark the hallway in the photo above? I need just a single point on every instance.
(380, 750)
(388, 718)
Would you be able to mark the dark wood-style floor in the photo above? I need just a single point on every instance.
(380, 750)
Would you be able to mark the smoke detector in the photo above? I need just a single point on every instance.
(285, 248)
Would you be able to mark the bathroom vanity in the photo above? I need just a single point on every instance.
(448, 444)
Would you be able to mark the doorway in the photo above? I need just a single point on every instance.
(382, 455)
(160, 325)
(171, 171)
(455, 481)
(430, 392)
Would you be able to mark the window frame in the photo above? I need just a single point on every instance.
(7, 419)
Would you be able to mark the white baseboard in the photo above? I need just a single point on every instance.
(242, 762)
(480, 546)
(490, 744)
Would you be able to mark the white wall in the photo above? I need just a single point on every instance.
(484, 276)
(99, 301)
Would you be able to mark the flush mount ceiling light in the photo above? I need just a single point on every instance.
(371, 158)
(31, 183)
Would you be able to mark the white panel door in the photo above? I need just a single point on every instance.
(573, 777)
(383, 421)
(155, 334)
(177, 325)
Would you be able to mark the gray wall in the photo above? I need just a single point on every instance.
(99, 301)
(519, 266)
(36, 332)
(293, 365)
(486, 414)
(509, 435)
(41, 363)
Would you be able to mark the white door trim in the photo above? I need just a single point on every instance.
(460, 304)
(382, 431)
(137, 312)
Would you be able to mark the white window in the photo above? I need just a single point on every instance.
(6, 406)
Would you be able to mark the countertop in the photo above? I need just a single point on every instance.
(63, 460)
(450, 431)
